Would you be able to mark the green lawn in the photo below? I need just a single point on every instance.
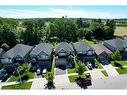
(71, 70)
(16, 78)
(123, 63)
(89, 42)
(72, 78)
(100, 66)
(18, 86)
(122, 71)
(105, 73)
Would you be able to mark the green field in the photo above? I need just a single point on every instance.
(122, 71)
(123, 63)
(120, 31)
(72, 78)
(105, 73)
(16, 78)
(89, 42)
(17, 86)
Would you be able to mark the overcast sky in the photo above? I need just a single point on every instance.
(59, 11)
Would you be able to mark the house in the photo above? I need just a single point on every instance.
(41, 56)
(84, 52)
(18, 54)
(1, 52)
(63, 54)
(102, 53)
(115, 44)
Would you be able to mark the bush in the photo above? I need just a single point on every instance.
(5, 46)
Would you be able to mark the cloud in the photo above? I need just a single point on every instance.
(57, 12)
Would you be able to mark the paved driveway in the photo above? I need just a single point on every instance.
(111, 71)
(96, 74)
(39, 83)
(60, 70)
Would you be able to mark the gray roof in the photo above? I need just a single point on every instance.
(1, 50)
(82, 46)
(125, 41)
(42, 47)
(100, 48)
(116, 43)
(64, 45)
(19, 50)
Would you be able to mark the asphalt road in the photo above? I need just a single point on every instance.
(116, 82)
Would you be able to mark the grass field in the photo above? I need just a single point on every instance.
(105, 73)
(72, 78)
(16, 78)
(122, 71)
(123, 63)
(120, 31)
(17, 86)
(89, 42)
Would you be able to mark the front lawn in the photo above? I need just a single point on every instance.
(89, 42)
(122, 71)
(122, 63)
(100, 66)
(71, 70)
(16, 78)
(105, 73)
(72, 78)
(18, 86)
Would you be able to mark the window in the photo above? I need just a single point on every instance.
(6, 60)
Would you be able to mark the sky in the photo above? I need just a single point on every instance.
(59, 11)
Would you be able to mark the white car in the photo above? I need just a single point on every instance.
(38, 71)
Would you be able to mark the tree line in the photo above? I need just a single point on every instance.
(34, 31)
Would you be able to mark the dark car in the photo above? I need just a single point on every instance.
(3, 74)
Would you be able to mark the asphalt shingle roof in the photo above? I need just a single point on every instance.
(82, 46)
(100, 48)
(19, 50)
(116, 43)
(64, 45)
(45, 47)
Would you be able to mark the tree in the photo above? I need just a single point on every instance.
(24, 70)
(79, 23)
(5, 46)
(65, 29)
(7, 35)
(49, 77)
(80, 68)
(116, 56)
(97, 29)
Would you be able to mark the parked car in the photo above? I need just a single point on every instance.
(96, 66)
(89, 65)
(3, 74)
(39, 71)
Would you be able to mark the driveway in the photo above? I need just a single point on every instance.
(111, 71)
(61, 70)
(61, 81)
(96, 74)
(39, 83)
